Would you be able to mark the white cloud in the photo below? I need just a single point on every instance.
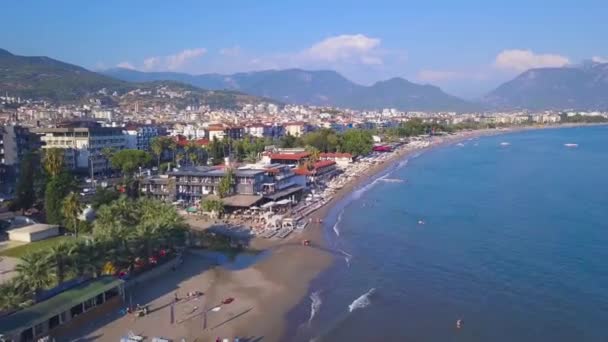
(125, 65)
(173, 62)
(231, 51)
(354, 48)
(151, 63)
(598, 59)
(178, 60)
(521, 60)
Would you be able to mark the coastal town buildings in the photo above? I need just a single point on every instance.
(15, 142)
(138, 137)
(83, 144)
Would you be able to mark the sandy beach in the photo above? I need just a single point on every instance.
(264, 289)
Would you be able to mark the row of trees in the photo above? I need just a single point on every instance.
(191, 152)
(128, 235)
(354, 141)
(247, 149)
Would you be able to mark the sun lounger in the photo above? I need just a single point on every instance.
(135, 338)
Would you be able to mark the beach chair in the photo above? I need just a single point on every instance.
(136, 338)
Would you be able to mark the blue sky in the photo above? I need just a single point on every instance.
(466, 46)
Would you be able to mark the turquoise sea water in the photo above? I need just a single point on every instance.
(514, 243)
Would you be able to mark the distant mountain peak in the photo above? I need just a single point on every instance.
(317, 87)
(582, 86)
(5, 53)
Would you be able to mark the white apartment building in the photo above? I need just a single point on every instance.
(83, 145)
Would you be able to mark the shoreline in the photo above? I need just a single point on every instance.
(290, 269)
(306, 264)
(267, 288)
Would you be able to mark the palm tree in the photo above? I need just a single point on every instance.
(34, 272)
(178, 158)
(192, 150)
(157, 145)
(71, 210)
(10, 297)
(59, 257)
(172, 146)
(313, 157)
(87, 257)
(53, 161)
(107, 153)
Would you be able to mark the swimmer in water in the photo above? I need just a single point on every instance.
(459, 324)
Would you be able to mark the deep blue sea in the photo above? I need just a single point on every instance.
(513, 241)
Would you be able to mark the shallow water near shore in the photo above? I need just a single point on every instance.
(509, 238)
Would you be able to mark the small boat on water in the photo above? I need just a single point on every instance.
(571, 145)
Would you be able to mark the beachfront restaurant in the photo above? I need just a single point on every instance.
(67, 310)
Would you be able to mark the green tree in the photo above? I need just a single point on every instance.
(10, 296)
(57, 188)
(34, 273)
(158, 146)
(357, 142)
(25, 192)
(71, 209)
(313, 157)
(107, 153)
(216, 151)
(213, 206)
(59, 258)
(53, 161)
(288, 141)
(128, 161)
(226, 183)
(103, 196)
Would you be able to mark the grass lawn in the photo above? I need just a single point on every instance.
(22, 249)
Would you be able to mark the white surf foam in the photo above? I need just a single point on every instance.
(359, 192)
(315, 305)
(336, 230)
(347, 257)
(361, 302)
(392, 180)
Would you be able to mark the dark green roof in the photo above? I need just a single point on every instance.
(64, 301)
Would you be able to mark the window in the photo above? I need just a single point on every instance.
(99, 299)
(89, 304)
(112, 293)
(53, 322)
(63, 317)
(76, 310)
(38, 329)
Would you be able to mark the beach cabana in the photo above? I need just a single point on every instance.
(284, 202)
(268, 205)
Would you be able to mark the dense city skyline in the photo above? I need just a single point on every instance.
(466, 48)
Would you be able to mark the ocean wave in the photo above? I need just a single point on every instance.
(359, 192)
(393, 180)
(315, 305)
(336, 230)
(361, 302)
(347, 257)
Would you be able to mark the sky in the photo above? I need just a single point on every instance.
(467, 47)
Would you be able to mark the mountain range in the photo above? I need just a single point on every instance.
(582, 87)
(55, 81)
(323, 88)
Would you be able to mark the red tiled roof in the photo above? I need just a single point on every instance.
(290, 156)
(320, 164)
(323, 163)
(335, 155)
